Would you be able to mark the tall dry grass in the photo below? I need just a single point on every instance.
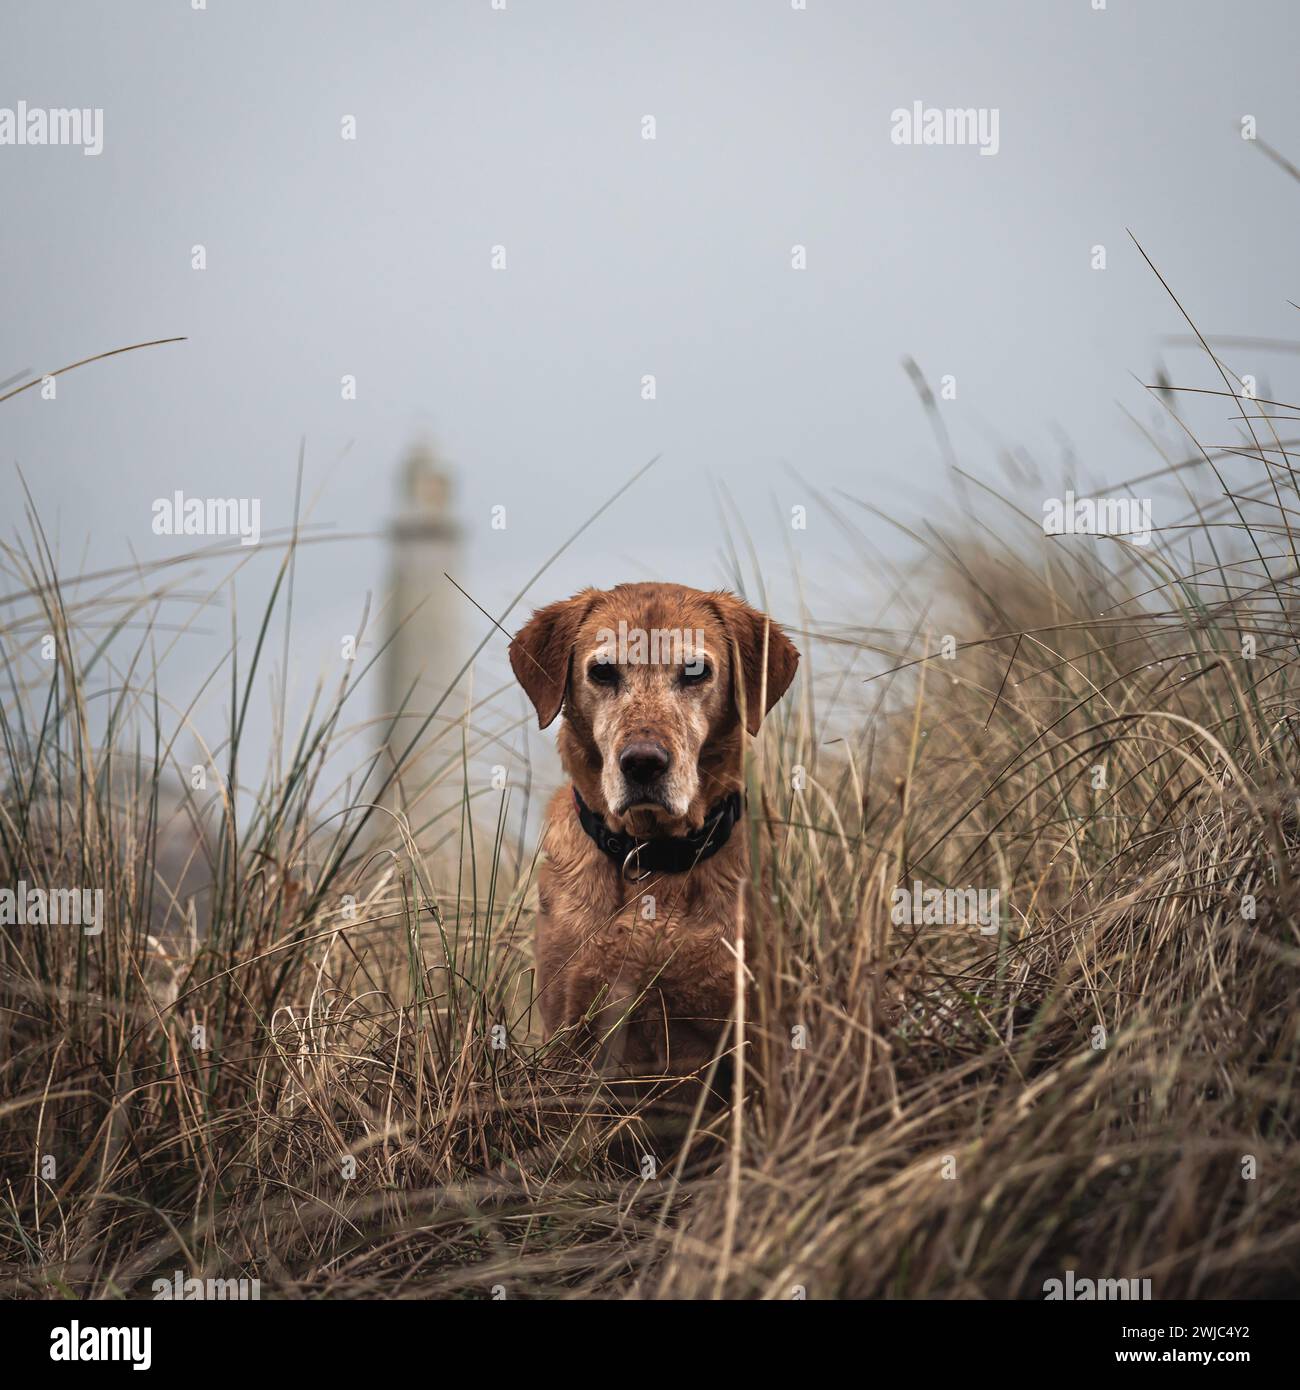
(333, 1082)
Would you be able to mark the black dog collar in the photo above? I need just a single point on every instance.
(664, 854)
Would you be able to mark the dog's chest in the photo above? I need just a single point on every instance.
(676, 952)
(670, 942)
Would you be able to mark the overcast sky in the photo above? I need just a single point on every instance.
(522, 127)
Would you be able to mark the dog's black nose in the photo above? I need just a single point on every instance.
(643, 761)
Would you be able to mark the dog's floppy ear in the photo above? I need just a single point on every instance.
(542, 650)
(757, 683)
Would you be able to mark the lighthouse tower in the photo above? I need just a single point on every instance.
(424, 651)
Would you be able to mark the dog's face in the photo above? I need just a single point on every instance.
(650, 696)
(652, 679)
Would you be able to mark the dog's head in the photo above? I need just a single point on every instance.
(655, 682)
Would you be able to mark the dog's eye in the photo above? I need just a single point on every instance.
(696, 673)
(602, 673)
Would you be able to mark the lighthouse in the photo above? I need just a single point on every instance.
(424, 650)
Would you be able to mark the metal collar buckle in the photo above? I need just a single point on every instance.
(627, 859)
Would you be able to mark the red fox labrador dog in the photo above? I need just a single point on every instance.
(645, 864)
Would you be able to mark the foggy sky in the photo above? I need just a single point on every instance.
(522, 128)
